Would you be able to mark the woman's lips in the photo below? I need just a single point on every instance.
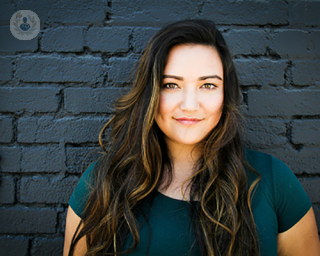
(188, 121)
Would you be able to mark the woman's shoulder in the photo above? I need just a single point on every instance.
(82, 191)
(266, 164)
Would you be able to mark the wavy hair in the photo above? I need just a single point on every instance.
(137, 157)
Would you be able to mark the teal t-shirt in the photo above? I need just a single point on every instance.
(278, 203)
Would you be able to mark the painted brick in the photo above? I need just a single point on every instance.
(88, 100)
(29, 99)
(306, 72)
(306, 160)
(10, 44)
(6, 69)
(246, 12)
(39, 189)
(6, 12)
(109, 39)
(316, 43)
(67, 13)
(247, 41)
(151, 13)
(7, 190)
(45, 246)
(120, 69)
(260, 71)
(48, 129)
(265, 132)
(55, 69)
(10, 159)
(6, 129)
(292, 44)
(62, 222)
(304, 12)
(13, 246)
(306, 131)
(140, 38)
(27, 220)
(79, 158)
(41, 159)
(283, 102)
(312, 187)
(63, 39)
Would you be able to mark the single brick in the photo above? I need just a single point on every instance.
(109, 39)
(29, 99)
(283, 102)
(265, 132)
(6, 69)
(246, 12)
(65, 12)
(306, 131)
(47, 246)
(121, 69)
(10, 44)
(88, 100)
(44, 190)
(306, 160)
(260, 71)
(151, 13)
(7, 190)
(6, 129)
(48, 129)
(247, 41)
(55, 69)
(312, 187)
(79, 158)
(63, 39)
(10, 158)
(13, 246)
(140, 38)
(27, 220)
(40, 159)
(306, 72)
(304, 12)
(292, 44)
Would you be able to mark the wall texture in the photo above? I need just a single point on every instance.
(56, 93)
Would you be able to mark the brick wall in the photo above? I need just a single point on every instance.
(56, 93)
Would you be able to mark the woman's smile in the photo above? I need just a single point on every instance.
(188, 121)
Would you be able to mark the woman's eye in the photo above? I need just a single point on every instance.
(209, 86)
(170, 86)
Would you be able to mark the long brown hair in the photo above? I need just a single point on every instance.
(137, 157)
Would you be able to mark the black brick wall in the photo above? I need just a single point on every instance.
(56, 92)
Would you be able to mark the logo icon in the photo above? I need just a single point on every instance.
(24, 25)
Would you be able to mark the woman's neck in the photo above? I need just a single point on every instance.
(184, 158)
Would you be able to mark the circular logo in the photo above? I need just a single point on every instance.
(24, 25)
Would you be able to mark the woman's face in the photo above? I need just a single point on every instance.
(191, 96)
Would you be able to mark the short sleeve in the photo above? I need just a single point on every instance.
(291, 200)
(81, 193)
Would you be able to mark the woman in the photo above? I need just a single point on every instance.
(175, 179)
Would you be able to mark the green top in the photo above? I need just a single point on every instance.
(278, 203)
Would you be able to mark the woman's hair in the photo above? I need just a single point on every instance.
(137, 158)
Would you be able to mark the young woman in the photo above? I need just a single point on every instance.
(175, 179)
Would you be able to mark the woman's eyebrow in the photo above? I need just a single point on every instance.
(174, 77)
(200, 78)
(207, 77)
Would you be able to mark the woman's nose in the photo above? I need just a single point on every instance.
(190, 101)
